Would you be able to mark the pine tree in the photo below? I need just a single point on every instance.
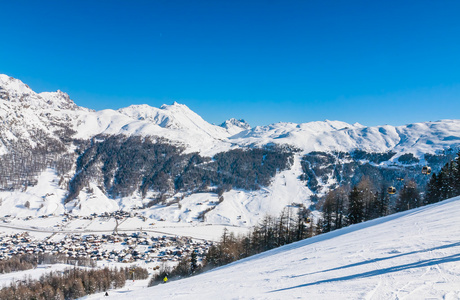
(450, 180)
(446, 181)
(356, 207)
(193, 262)
(382, 202)
(334, 209)
(366, 190)
(456, 175)
(409, 197)
(318, 227)
(58, 295)
(328, 211)
(76, 290)
(300, 228)
(283, 228)
(340, 202)
(47, 291)
(433, 190)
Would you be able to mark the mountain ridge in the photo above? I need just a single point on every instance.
(177, 122)
(146, 157)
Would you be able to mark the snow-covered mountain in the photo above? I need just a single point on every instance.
(15, 91)
(85, 153)
(23, 109)
(235, 126)
(418, 138)
(23, 112)
(28, 119)
(408, 255)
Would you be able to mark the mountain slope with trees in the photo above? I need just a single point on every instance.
(163, 155)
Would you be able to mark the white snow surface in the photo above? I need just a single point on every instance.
(409, 255)
(44, 198)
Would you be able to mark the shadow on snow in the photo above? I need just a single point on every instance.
(380, 259)
(419, 264)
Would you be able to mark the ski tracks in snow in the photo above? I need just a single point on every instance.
(419, 252)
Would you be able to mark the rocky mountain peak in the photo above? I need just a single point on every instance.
(15, 91)
(235, 126)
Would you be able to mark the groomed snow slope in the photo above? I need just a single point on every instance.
(409, 255)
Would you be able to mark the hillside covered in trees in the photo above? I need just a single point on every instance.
(124, 165)
(169, 153)
(351, 204)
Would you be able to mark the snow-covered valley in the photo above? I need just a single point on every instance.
(44, 136)
(150, 184)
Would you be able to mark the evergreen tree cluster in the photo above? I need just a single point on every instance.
(270, 233)
(123, 165)
(18, 263)
(20, 167)
(408, 158)
(445, 184)
(373, 157)
(409, 197)
(70, 284)
(344, 206)
(343, 168)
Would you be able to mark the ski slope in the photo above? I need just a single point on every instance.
(409, 255)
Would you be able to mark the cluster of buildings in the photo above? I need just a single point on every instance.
(106, 247)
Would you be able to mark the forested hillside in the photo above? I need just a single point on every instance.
(327, 170)
(171, 153)
(125, 165)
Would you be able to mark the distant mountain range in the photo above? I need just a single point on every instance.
(22, 110)
(176, 153)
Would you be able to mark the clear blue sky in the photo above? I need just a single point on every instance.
(372, 62)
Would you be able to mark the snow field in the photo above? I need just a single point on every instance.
(409, 255)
